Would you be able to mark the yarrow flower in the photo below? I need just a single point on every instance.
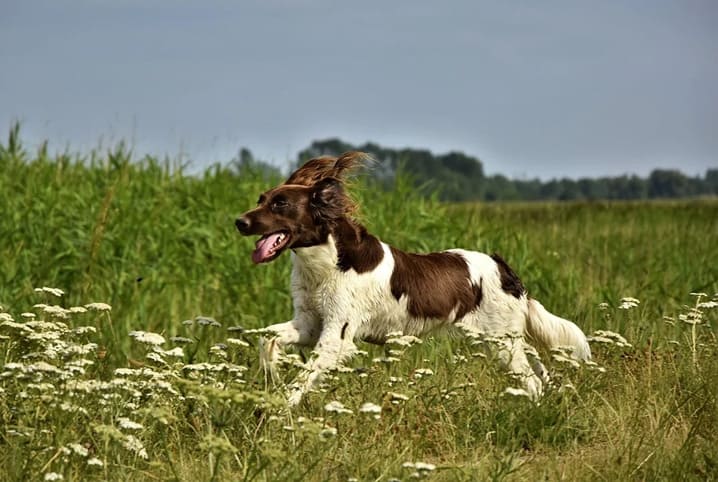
(147, 337)
(133, 444)
(98, 306)
(79, 449)
(421, 469)
(628, 302)
(337, 407)
(608, 337)
(207, 321)
(53, 291)
(397, 397)
(423, 372)
(371, 408)
(237, 342)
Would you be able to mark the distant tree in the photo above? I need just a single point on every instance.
(245, 162)
(664, 183)
(711, 182)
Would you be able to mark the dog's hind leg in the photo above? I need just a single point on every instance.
(513, 358)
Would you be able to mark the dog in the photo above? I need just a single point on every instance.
(347, 285)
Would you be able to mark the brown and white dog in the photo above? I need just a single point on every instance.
(347, 285)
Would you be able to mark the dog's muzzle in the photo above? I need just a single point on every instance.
(243, 224)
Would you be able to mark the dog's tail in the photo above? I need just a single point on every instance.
(552, 331)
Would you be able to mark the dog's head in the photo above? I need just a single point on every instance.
(303, 211)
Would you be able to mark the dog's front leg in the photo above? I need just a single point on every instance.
(299, 331)
(334, 346)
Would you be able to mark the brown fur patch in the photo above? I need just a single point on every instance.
(357, 249)
(320, 168)
(510, 282)
(435, 284)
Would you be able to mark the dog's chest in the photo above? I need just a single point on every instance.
(316, 282)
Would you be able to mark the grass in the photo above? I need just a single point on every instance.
(161, 249)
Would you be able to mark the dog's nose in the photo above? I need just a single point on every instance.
(242, 224)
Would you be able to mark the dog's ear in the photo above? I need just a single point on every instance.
(328, 200)
(327, 192)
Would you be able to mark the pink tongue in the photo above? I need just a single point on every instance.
(264, 248)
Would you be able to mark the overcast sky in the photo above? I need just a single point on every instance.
(532, 88)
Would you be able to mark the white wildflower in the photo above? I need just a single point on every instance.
(53, 291)
(98, 307)
(133, 444)
(628, 302)
(52, 475)
(691, 318)
(156, 357)
(42, 366)
(388, 359)
(6, 318)
(147, 337)
(128, 424)
(403, 340)
(56, 311)
(371, 408)
(78, 309)
(79, 449)
(175, 352)
(337, 407)
(181, 340)
(459, 359)
(94, 461)
(423, 372)
(70, 408)
(601, 336)
(207, 321)
(565, 359)
(592, 365)
(603, 306)
(81, 330)
(516, 392)
(420, 466)
(397, 397)
(28, 315)
(708, 304)
(237, 342)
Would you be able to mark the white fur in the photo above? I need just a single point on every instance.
(329, 303)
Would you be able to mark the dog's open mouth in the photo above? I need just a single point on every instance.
(270, 246)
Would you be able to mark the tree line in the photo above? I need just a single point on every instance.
(456, 176)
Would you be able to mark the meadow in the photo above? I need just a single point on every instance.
(138, 369)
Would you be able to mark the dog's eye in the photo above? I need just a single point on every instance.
(279, 203)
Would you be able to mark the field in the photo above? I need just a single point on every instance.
(161, 384)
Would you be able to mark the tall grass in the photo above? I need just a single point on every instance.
(160, 247)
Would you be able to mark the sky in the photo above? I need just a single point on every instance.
(534, 89)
